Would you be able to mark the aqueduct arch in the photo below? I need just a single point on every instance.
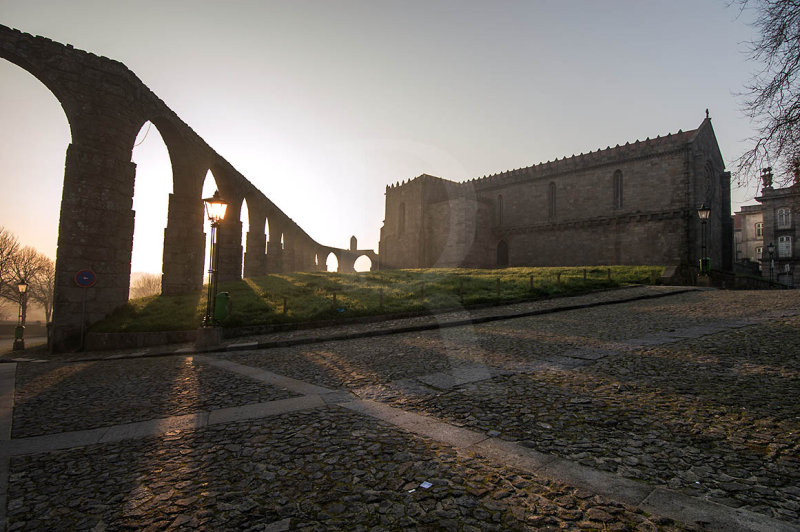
(106, 106)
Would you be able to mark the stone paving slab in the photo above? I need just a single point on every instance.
(321, 470)
(52, 398)
(570, 396)
(713, 417)
(683, 508)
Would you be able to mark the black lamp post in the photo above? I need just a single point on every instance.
(19, 331)
(215, 210)
(771, 250)
(705, 263)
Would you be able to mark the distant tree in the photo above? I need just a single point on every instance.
(8, 247)
(29, 265)
(42, 284)
(145, 284)
(772, 98)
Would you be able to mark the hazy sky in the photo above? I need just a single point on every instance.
(321, 104)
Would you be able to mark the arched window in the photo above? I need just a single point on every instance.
(401, 219)
(502, 254)
(784, 220)
(551, 200)
(499, 209)
(617, 189)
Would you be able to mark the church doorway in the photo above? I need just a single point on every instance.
(502, 254)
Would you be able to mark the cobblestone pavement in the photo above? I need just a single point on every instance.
(694, 393)
(323, 470)
(54, 398)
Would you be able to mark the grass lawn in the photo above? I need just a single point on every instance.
(326, 296)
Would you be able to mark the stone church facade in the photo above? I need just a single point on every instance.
(631, 204)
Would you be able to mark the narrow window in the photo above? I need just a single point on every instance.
(401, 222)
(784, 218)
(784, 247)
(551, 200)
(618, 189)
(500, 209)
(759, 230)
(759, 250)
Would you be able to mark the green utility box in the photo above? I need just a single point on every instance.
(221, 303)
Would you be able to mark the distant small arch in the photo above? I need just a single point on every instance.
(502, 254)
(332, 262)
(363, 264)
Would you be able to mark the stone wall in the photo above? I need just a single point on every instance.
(631, 204)
(106, 106)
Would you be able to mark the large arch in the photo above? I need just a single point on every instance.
(106, 106)
(33, 120)
(151, 193)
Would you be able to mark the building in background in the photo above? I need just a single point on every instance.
(780, 209)
(631, 204)
(748, 234)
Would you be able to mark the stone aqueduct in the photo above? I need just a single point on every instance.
(106, 106)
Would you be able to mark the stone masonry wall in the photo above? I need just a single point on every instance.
(664, 181)
(106, 106)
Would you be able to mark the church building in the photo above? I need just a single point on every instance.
(632, 204)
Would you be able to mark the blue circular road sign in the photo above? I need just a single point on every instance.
(85, 278)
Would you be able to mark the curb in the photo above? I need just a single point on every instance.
(246, 346)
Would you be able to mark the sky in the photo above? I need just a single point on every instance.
(321, 104)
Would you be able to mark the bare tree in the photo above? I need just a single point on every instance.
(42, 284)
(25, 264)
(145, 284)
(8, 248)
(772, 98)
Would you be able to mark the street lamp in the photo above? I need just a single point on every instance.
(705, 263)
(19, 331)
(215, 210)
(771, 250)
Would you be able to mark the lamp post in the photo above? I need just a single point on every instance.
(705, 263)
(215, 210)
(19, 331)
(771, 250)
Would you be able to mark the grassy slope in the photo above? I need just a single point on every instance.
(309, 296)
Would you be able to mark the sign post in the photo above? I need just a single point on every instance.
(85, 279)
